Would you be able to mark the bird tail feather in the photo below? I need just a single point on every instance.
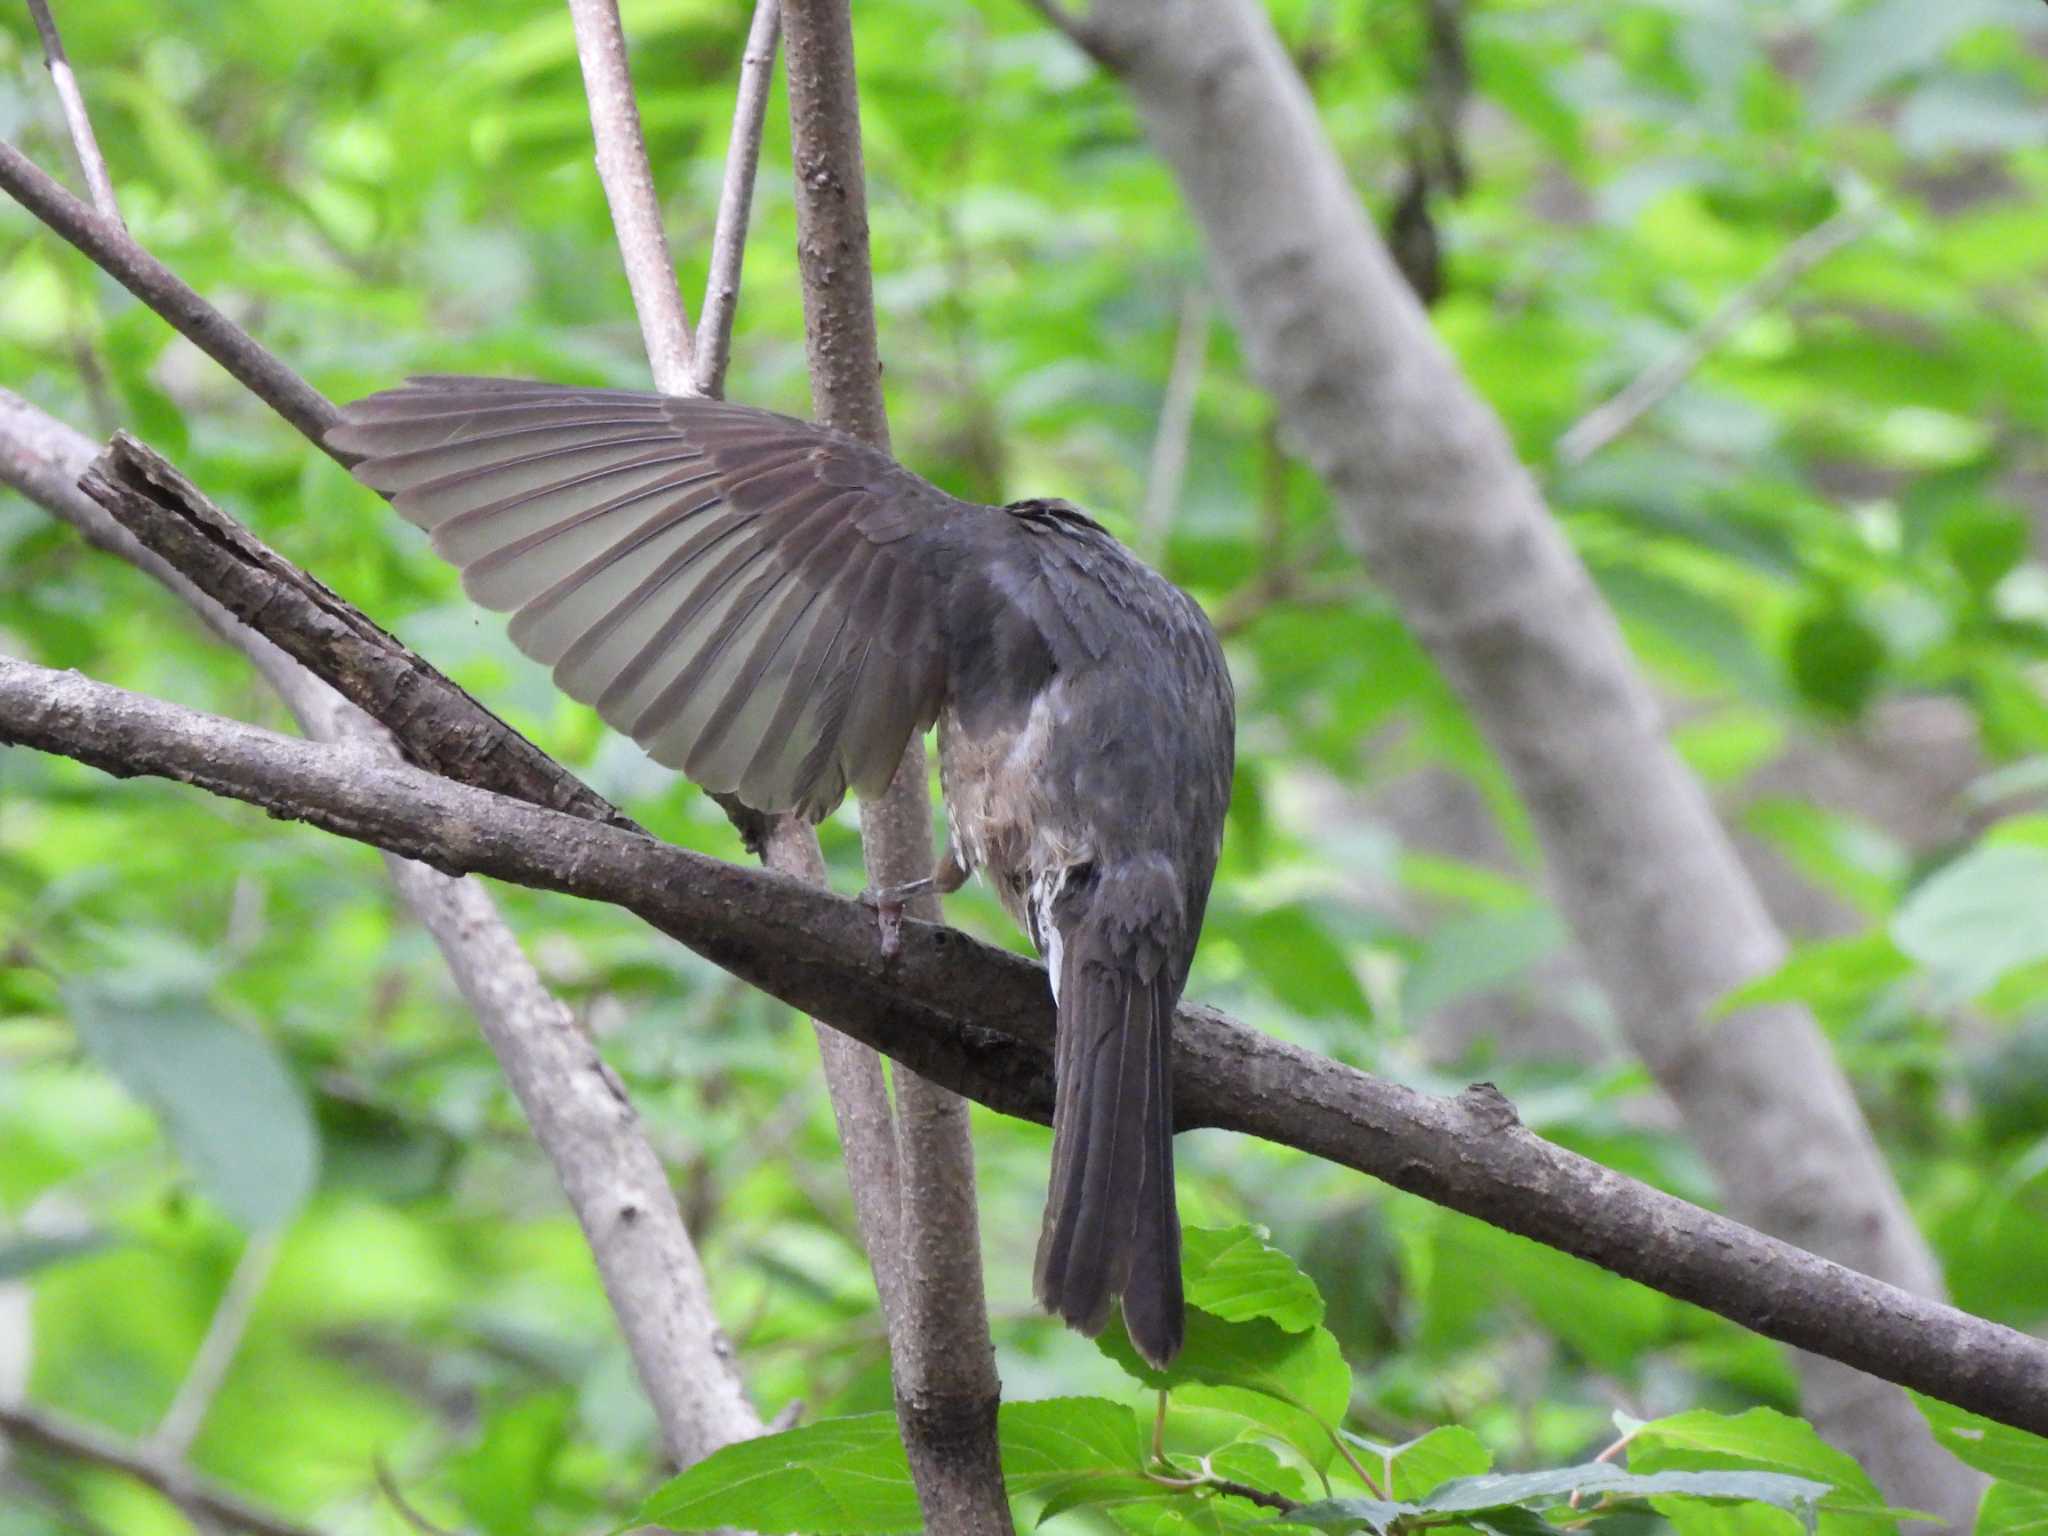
(1111, 1228)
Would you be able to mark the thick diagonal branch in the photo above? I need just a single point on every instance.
(980, 1021)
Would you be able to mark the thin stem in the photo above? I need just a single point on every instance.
(87, 146)
(736, 198)
(629, 190)
(86, 1442)
(185, 1417)
(1611, 419)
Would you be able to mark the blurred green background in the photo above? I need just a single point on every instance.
(1825, 545)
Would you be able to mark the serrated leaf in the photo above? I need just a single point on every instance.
(1341, 1516)
(1234, 1274)
(2007, 1453)
(1599, 1479)
(1765, 1440)
(838, 1477)
(223, 1094)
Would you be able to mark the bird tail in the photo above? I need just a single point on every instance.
(1111, 1228)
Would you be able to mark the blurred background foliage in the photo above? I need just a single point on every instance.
(1826, 543)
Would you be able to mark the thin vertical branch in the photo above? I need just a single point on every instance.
(629, 190)
(90, 161)
(736, 198)
(185, 1417)
(853, 1073)
(1176, 420)
(944, 1362)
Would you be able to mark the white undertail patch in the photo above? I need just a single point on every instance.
(1046, 886)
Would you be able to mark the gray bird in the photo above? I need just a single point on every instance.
(773, 608)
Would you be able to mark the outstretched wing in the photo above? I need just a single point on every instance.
(752, 598)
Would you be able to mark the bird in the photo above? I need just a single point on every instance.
(772, 608)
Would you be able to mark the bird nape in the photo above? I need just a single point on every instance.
(773, 608)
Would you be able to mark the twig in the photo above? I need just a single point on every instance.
(387, 1484)
(1176, 419)
(578, 1111)
(736, 198)
(85, 1442)
(629, 190)
(1612, 418)
(90, 161)
(183, 1419)
(942, 1356)
(115, 251)
(979, 1020)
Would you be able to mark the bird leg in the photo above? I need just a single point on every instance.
(890, 901)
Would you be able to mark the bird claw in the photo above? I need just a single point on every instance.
(889, 904)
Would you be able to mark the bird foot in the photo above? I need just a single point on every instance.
(889, 904)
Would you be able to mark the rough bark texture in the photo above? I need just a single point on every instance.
(980, 1021)
(943, 1360)
(1451, 524)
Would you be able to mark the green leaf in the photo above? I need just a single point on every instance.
(1764, 1439)
(1430, 1461)
(1305, 966)
(224, 1095)
(1605, 1480)
(1987, 1445)
(504, 1478)
(1075, 1452)
(1477, 954)
(1835, 659)
(1340, 1516)
(1234, 1274)
(1979, 917)
(1504, 1501)
(839, 1477)
(2012, 1510)
(850, 1477)
(1984, 543)
(1304, 1370)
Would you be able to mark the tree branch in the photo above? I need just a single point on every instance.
(629, 190)
(736, 199)
(116, 252)
(1614, 417)
(980, 1021)
(1425, 481)
(91, 163)
(578, 1111)
(66, 1437)
(943, 1359)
